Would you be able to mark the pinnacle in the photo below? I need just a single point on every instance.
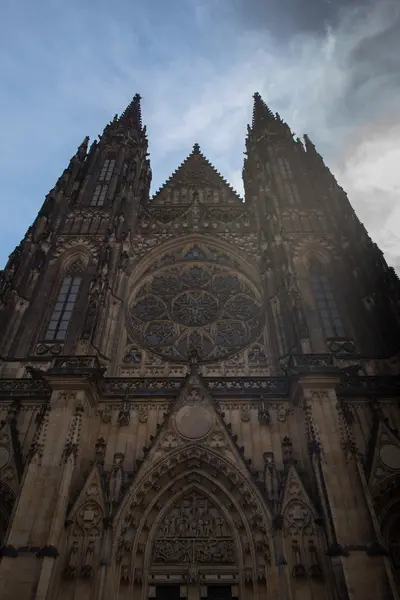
(133, 112)
(261, 112)
(308, 143)
(196, 149)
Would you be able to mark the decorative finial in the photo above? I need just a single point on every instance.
(196, 149)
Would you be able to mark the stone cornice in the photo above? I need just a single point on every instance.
(88, 371)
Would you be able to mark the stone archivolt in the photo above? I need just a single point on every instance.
(209, 515)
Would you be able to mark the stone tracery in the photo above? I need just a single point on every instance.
(209, 308)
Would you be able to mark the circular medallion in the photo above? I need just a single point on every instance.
(390, 456)
(4, 456)
(193, 421)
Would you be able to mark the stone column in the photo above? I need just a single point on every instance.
(36, 503)
(50, 552)
(350, 532)
(40, 510)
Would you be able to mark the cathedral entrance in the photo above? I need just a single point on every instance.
(194, 547)
(168, 592)
(195, 592)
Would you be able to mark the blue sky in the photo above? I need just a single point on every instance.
(67, 67)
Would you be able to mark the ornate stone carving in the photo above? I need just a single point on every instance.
(142, 413)
(89, 518)
(71, 569)
(87, 567)
(54, 349)
(202, 307)
(67, 397)
(115, 480)
(195, 252)
(218, 386)
(298, 518)
(264, 417)
(194, 531)
(169, 441)
(133, 356)
(217, 440)
(124, 415)
(245, 414)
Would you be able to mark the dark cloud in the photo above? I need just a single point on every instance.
(285, 18)
(344, 90)
(375, 63)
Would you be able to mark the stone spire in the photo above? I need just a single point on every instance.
(128, 124)
(132, 115)
(262, 114)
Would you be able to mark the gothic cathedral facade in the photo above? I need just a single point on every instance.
(199, 393)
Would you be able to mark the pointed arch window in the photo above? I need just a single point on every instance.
(62, 312)
(107, 169)
(284, 168)
(325, 302)
(99, 195)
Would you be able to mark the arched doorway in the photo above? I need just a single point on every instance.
(194, 544)
(194, 524)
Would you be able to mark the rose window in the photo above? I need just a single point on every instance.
(199, 307)
(195, 307)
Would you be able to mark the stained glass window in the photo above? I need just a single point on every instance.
(202, 307)
(99, 195)
(107, 170)
(57, 329)
(326, 303)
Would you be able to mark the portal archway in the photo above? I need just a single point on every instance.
(193, 519)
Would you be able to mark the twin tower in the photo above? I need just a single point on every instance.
(199, 394)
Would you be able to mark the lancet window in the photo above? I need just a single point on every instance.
(284, 168)
(99, 195)
(325, 302)
(107, 169)
(62, 312)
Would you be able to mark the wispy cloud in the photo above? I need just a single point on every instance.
(69, 68)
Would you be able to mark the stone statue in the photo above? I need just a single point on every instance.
(87, 568)
(71, 570)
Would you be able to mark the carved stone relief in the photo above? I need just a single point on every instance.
(194, 531)
(298, 518)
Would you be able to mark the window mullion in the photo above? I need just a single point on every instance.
(56, 331)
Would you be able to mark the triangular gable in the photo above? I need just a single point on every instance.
(196, 173)
(297, 509)
(385, 456)
(90, 498)
(193, 419)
